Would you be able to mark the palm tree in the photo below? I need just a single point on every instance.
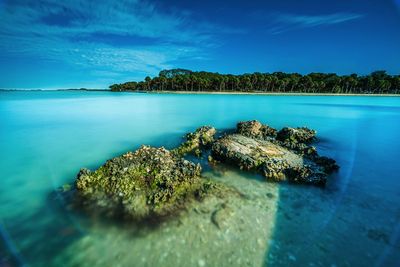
(147, 82)
(181, 79)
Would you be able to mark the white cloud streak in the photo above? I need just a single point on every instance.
(63, 31)
(287, 22)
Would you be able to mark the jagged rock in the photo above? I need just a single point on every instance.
(307, 174)
(248, 153)
(299, 148)
(148, 182)
(328, 164)
(255, 129)
(295, 139)
(296, 135)
(202, 138)
(153, 182)
(298, 140)
(273, 161)
(211, 160)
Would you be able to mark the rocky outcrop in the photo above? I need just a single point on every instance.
(298, 140)
(200, 139)
(279, 155)
(328, 164)
(138, 185)
(296, 135)
(155, 182)
(295, 139)
(275, 162)
(254, 129)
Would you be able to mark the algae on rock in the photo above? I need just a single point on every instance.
(200, 139)
(147, 182)
(155, 182)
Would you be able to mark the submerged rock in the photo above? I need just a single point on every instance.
(202, 138)
(255, 129)
(328, 164)
(221, 215)
(148, 182)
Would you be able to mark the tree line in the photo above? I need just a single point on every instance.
(378, 82)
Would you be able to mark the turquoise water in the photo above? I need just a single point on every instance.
(46, 137)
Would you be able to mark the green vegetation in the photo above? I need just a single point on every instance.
(150, 182)
(378, 82)
(203, 137)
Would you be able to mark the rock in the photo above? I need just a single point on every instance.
(141, 184)
(307, 175)
(220, 216)
(255, 129)
(270, 195)
(211, 160)
(328, 164)
(154, 182)
(275, 162)
(202, 138)
(249, 153)
(296, 135)
(298, 140)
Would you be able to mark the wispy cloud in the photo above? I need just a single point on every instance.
(287, 22)
(119, 36)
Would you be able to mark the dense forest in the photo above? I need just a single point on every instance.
(378, 82)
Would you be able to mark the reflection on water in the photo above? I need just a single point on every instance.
(46, 137)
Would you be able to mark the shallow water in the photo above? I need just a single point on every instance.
(46, 137)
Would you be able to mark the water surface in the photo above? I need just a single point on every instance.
(46, 137)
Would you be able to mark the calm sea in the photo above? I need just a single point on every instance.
(46, 137)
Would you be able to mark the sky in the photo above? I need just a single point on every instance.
(50, 44)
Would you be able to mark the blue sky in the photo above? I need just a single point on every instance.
(76, 43)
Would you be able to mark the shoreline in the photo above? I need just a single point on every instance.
(198, 92)
(256, 93)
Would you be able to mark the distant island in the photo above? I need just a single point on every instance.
(182, 80)
(81, 89)
(40, 90)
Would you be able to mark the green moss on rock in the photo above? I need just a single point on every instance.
(200, 139)
(145, 183)
(155, 182)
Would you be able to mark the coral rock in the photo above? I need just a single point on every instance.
(202, 138)
(255, 129)
(275, 162)
(147, 182)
